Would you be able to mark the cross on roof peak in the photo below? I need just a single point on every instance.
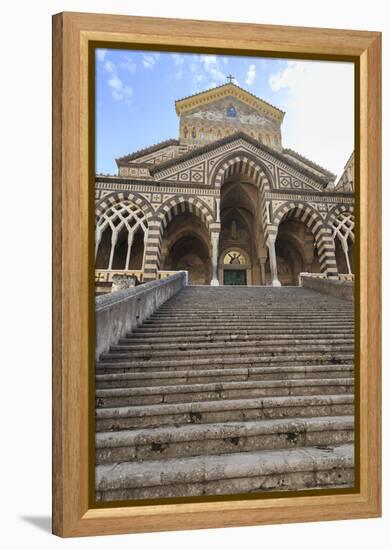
(230, 77)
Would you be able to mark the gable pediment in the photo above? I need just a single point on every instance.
(199, 166)
(228, 92)
(230, 110)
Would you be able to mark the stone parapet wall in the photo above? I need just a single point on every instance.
(337, 288)
(121, 312)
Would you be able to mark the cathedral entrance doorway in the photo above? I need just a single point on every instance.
(235, 277)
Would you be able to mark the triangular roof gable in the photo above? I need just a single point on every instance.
(196, 155)
(229, 90)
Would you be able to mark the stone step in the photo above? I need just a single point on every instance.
(221, 438)
(242, 472)
(220, 353)
(254, 304)
(232, 336)
(289, 328)
(125, 418)
(254, 313)
(113, 364)
(210, 325)
(180, 393)
(245, 320)
(191, 376)
(128, 344)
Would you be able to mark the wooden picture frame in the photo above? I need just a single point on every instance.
(72, 265)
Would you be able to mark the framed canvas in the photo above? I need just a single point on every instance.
(216, 301)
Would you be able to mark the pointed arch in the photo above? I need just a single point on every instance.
(113, 198)
(120, 224)
(308, 215)
(246, 164)
(342, 222)
(181, 204)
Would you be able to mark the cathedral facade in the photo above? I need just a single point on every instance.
(225, 201)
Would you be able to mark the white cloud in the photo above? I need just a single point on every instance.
(150, 60)
(319, 105)
(207, 72)
(212, 66)
(101, 54)
(251, 74)
(110, 67)
(119, 90)
(178, 58)
(128, 64)
(179, 61)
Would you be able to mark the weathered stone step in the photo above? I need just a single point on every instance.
(189, 306)
(297, 317)
(125, 418)
(118, 353)
(246, 314)
(155, 378)
(279, 324)
(128, 344)
(143, 395)
(288, 328)
(232, 336)
(113, 364)
(221, 438)
(248, 472)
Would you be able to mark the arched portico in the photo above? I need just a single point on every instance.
(322, 234)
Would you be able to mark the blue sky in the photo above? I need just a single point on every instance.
(136, 92)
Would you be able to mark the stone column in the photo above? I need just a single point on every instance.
(152, 245)
(113, 245)
(345, 249)
(273, 260)
(130, 242)
(98, 236)
(215, 253)
(263, 270)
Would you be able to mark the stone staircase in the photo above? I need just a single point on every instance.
(228, 390)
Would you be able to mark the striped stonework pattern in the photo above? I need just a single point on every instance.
(243, 164)
(153, 250)
(170, 209)
(113, 198)
(181, 204)
(322, 233)
(337, 211)
(151, 256)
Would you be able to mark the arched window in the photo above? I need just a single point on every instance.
(343, 227)
(185, 132)
(121, 233)
(193, 133)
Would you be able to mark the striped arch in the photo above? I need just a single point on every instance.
(321, 231)
(167, 211)
(150, 256)
(337, 210)
(179, 205)
(114, 198)
(245, 164)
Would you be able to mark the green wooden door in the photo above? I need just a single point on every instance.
(235, 277)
